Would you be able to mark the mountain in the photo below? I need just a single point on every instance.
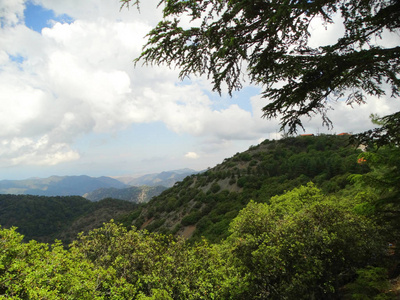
(141, 194)
(167, 178)
(204, 204)
(58, 185)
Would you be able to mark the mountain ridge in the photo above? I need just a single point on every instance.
(206, 202)
(164, 178)
(80, 185)
(58, 185)
(136, 194)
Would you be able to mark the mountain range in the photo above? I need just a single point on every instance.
(136, 194)
(58, 185)
(166, 178)
(97, 188)
(204, 204)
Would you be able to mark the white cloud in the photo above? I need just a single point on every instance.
(79, 78)
(192, 155)
(76, 79)
(325, 34)
(11, 12)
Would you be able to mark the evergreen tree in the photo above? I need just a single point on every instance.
(270, 38)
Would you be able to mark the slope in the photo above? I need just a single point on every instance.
(204, 204)
(48, 218)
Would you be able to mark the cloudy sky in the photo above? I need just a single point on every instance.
(72, 101)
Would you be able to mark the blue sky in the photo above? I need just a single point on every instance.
(37, 17)
(74, 103)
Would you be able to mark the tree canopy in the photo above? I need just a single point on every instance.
(269, 39)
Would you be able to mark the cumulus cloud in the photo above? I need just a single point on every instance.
(76, 78)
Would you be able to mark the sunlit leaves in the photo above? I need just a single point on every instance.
(303, 245)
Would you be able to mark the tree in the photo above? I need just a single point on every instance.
(304, 245)
(36, 271)
(270, 38)
(387, 134)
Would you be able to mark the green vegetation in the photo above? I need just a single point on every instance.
(303, 245)
(271, 39)
(331, 240)
(299, 218)
(212, 199)
(48, 218)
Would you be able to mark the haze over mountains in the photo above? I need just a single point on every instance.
(97, 188)
(167, 178)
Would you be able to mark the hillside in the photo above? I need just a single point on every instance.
(135, 194)
(58, 185)
(331, 239)
(204, 204)
(45, 218)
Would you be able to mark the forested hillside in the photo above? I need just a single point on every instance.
(299, 218)
(48, 218)
(204, 204)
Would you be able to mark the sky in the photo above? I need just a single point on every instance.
(73, 102)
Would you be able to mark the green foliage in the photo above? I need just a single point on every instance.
(302, 246)
(33, 271)
(371, 283)
(271, 39)
(387, 134)
(273, 168)
(215, 188)
(191, 219)
(148, 265)
(48, 218)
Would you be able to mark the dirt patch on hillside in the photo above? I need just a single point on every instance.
(188, 231)
(146, 223)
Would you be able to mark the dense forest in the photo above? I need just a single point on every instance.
(46, 219)
(310, 217)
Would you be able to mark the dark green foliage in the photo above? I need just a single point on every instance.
(271, 39)
(215, 188)
(302, 246)
(191, 219)
(371, 283)
(260, 173)
(387, 134)
(48, 218)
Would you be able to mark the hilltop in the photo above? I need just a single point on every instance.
(204, 204)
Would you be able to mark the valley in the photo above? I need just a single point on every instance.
(306, 215)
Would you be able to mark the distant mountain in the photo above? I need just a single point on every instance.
(58, 185)
(167, 178)
(141, 194)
